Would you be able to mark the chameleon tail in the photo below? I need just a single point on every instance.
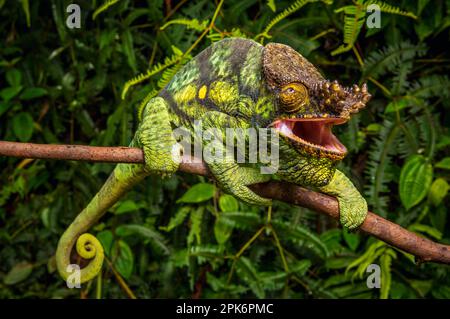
(88, 247)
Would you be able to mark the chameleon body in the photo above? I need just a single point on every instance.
(236, 83)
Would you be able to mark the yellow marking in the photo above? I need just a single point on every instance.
(186, 94)
(202, 92)
(222, 92)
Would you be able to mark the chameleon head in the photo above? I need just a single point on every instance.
(307, 104)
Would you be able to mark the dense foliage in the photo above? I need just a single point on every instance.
(181, 237)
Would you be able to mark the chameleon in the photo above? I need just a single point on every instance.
(239, 84)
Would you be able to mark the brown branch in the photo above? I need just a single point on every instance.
(391, 233)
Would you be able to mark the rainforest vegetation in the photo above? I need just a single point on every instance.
(182, 237)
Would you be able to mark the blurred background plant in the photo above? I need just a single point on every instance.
(182, 237)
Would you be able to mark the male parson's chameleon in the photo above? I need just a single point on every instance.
(236, 83)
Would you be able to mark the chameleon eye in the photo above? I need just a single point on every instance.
(293, 96)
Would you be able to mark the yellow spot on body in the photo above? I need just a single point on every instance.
(222, 93)
(202, 92)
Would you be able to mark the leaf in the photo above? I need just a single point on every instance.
(128, 49)
(247, 271)
(351, 239)
(4, 106)
(26, 10)
(198, 193)
(146, 232)
(433, 232)
(22, 124)
(126, 206)
(106, 239)
(222, 230)
(300, 267)
(415, 180)
(397, 105)
(444, 163)
(271, 4)
(196, 226)
(385, 284)
(228, 203)
(14, 77)
(10, 92)
(179, 217)
(123, 258)
(190, 24)
(32, 93)
(438, 191)
(103, 7)
(18, 273)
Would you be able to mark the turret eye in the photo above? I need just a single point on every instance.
(293, 96)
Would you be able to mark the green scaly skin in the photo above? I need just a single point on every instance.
(236, 83)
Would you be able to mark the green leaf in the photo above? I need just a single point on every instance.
(32, 93)
(14, 77)
(123, 258)
(4, 106)
(438, 191)
(300, 267)
(385, 265)
(228, 203)
(23, 126)
(126, 206)
(146, 232)
(433, 232)
(128, 49)
(10, 92)
(198, 193)
(271, 5)
(351, 239)
(397, 105)
(106, 239)
(18, 273)
(415, 180)
(179, 217)
(222, 230)
(444, 163)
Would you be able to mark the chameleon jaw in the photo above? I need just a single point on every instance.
(313, 135)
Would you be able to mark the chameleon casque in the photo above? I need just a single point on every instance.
(236, 83)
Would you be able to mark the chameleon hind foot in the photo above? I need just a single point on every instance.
(162, 153)
(352, 206)
(235, 180)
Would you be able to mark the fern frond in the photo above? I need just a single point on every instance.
(387, 8)
(301, 236)
(190, 24)
(386, 59)
(297, 5)
(378, 169)
(103, 7)
(168, 61)
(353, 22)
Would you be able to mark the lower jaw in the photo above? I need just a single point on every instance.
(315, 152)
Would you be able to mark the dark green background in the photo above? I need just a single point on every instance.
(59, 85)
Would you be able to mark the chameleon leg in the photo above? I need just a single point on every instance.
(232, 177)
(154, 136)
(352, 206)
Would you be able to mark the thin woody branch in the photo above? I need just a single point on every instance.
(391, 233)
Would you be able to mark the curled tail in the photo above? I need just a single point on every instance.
(88, 247)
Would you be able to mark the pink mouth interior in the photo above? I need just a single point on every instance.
(314, 132)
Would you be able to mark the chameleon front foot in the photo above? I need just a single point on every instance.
(352, 206)
(162, 153)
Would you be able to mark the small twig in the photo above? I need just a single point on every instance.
(389, 232)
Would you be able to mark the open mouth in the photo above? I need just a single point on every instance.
(313, 134)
